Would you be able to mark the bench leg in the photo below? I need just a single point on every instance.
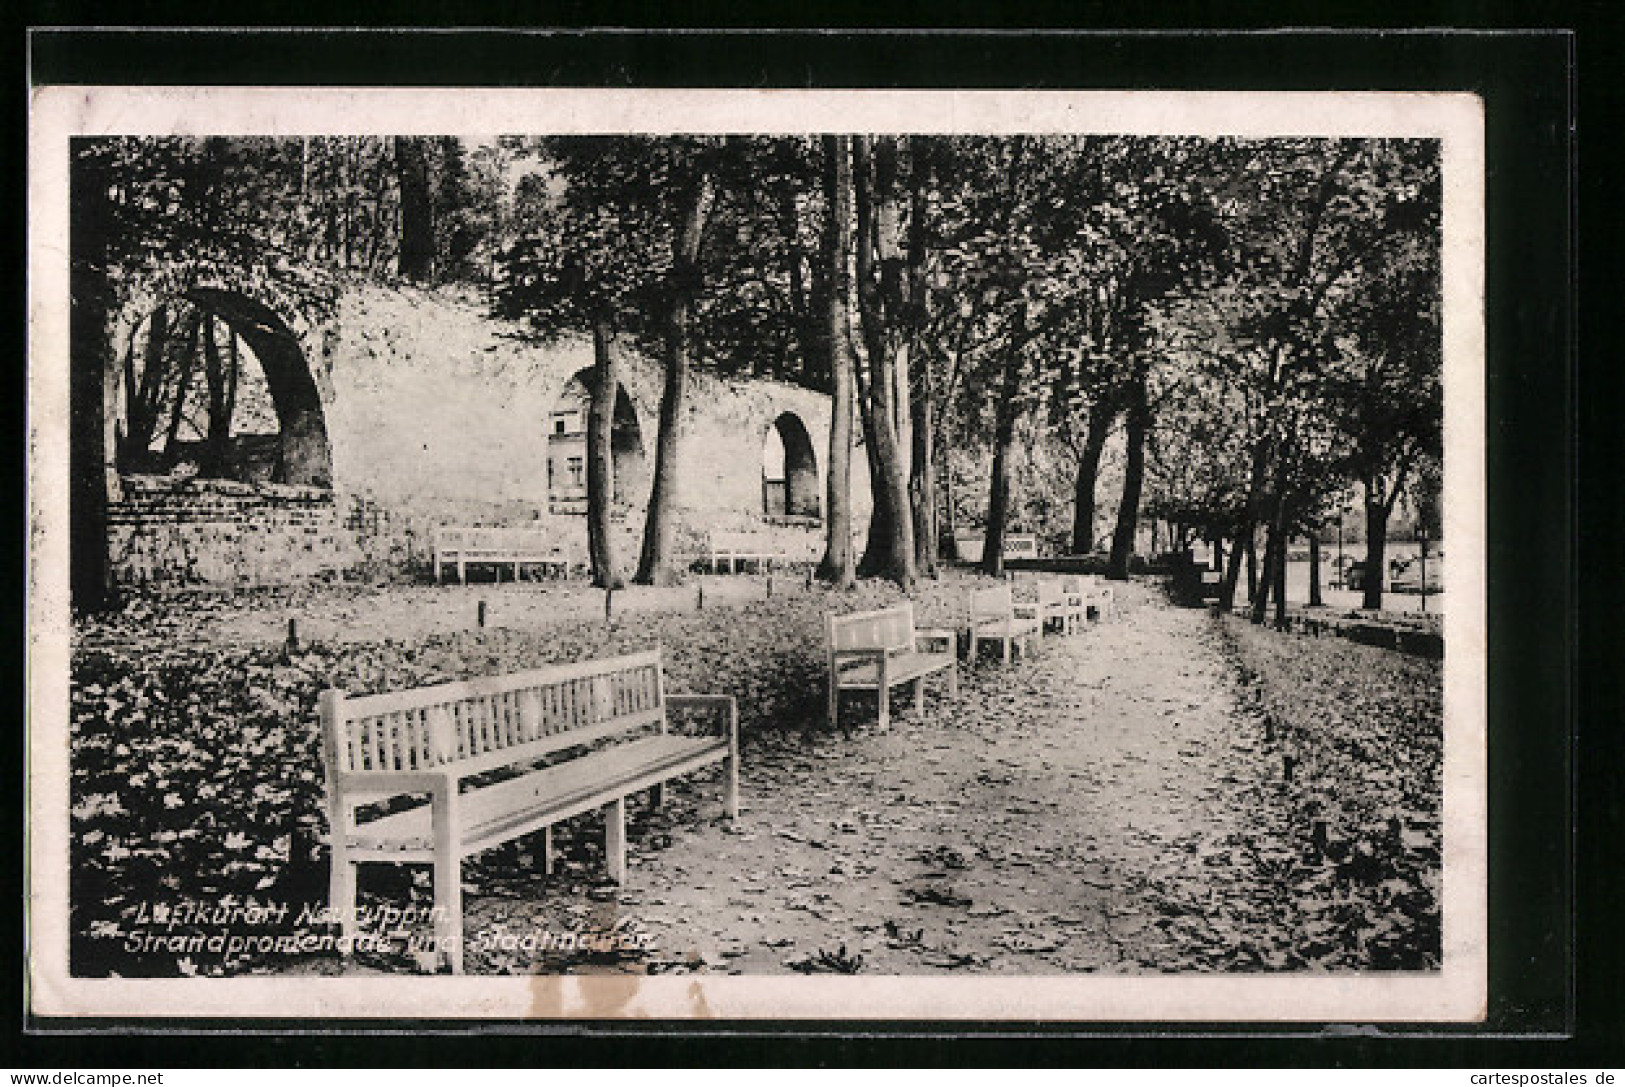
(615, 840)
(1006, 643)
(885, 703)
(448, 876)
(341, 893)
(462, 572)
(953, 680)
(437, 569)
(730, 798)
(448, 901)
(834, 703)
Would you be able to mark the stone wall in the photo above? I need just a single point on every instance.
(169, 532)
(434, 414)
(439, 414)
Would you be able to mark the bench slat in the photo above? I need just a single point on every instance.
(553, 793)
(888, 628)
(485, 686)
(899, 669)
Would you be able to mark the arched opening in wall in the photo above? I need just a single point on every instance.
(567, 449)
(215, 385)
(789, 470)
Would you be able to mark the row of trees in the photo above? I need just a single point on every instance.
(1255, 323)
(1260, 319)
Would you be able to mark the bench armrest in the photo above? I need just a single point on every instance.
(724, 702)
(1024, 611)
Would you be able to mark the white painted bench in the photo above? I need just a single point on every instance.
(496, 546)
(1098, 597)
(431, 740)
(877, 650)
(996, 617)
(1059, 604)
(1020, 546)
(739, 549)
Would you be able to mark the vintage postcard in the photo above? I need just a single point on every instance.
(833, 555)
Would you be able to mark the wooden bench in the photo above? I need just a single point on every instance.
(430, 740)
(499, 547)
(1098, 597)
(1059, 604)
(877, 650)
(1021, 546)
(996, 617)
(738, 549)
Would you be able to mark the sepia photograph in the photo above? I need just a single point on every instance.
(836, 555)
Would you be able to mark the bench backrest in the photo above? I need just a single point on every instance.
(492, 537)
(993, 603)
(1050, 592)
(1021, 547)
(889, 628)
(479, 724)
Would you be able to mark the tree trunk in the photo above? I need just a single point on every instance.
(144, 397)
(90, 367)
(923, 481)
(1266, 583)
(416, 260)
(1004, 440)
(1314, 571)
(998, 502)
(1083, 500)
(948, 538)
(922, 392)
(1376, 548)
(600, 460)
(1244, 530)
(836, 567)
(880, 305)
(183, 384)
(1280, 580)
(659, 526)
(1136, 424)
(217, 447)
(877, 538)
(1252, 565)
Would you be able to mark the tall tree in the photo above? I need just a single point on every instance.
(836, 566)
(1102, 410)
(655, 567)
(589, 263)
(1383, 385)
(884, 312)
(615, 244)
(918, 381)
(90, 228)
(417, 250)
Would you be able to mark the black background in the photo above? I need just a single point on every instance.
(1554, 972)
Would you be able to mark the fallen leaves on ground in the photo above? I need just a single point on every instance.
(1119, 802)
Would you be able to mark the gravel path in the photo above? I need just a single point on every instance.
(1011, 831)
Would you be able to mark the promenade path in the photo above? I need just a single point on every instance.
(1094, 807)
